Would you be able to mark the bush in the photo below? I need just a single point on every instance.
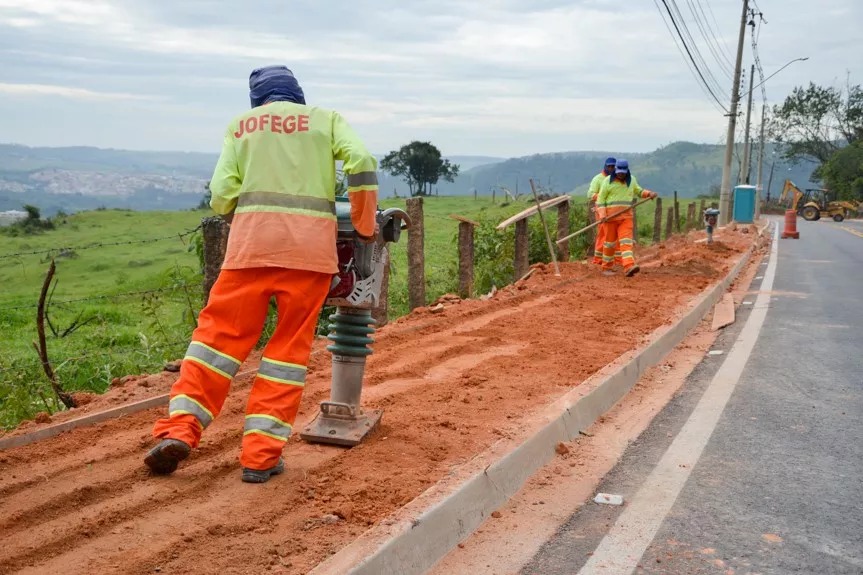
(494, 251)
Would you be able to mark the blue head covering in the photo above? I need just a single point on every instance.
(622, 167)
(609, 161)
(274, 84)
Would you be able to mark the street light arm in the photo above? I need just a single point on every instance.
(771, 75)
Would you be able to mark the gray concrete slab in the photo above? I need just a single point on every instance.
(779, 486)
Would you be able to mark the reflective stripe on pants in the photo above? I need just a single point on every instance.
(228, 328)
(618, 242)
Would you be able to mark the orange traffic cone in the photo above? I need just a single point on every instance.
(790, 230)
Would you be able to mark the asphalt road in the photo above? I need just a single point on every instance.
(778, 486)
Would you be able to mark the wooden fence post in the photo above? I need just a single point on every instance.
(465, 260)
(416, 257)
(465, 255)
(657, 222)
(215, 236)
(690, 216)
(669, 222)
(701, 215)
(563, 231)
(676, 213)
(522, 242)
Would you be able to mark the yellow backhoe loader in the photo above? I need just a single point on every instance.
(814, 203)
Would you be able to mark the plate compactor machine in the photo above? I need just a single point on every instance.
(356, 290)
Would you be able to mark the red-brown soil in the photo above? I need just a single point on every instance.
(450, 381)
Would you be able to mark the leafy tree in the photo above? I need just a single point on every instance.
(421, 164)
(844, 172)
(814, 122)
(33, 213)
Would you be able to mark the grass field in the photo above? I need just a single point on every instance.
(135, 303)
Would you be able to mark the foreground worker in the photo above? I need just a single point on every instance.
(615, 195)
(592, 195)
(276, 179)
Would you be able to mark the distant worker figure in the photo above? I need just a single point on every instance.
(592, 195)
(276, 179)
(615, 194)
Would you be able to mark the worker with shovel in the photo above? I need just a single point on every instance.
(276, 179)
(592, 195)
(615, 200)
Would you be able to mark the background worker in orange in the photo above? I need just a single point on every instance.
(592, 195)
(276, 177)
(616, 194)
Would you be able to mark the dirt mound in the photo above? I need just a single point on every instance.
(451, 383)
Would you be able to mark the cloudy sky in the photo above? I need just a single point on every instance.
(486, 77)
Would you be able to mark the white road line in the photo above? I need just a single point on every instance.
(621, 549)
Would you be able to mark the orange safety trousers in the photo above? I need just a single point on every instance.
(599, 244)
(228, 328)
(618, 242)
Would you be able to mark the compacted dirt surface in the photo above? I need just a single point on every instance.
(451, 379)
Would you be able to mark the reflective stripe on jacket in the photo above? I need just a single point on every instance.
(615, 195)
(277, 174)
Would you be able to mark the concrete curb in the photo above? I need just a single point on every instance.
(433, 524)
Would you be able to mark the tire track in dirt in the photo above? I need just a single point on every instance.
(474, 375)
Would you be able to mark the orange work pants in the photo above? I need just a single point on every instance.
(599, 244)
(599, 247)
(228, 328)
(618, 242)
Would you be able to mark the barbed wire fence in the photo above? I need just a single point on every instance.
(76, 360)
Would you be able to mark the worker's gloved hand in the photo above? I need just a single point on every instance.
(653, 195)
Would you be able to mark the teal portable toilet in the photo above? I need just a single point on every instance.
(744, 204)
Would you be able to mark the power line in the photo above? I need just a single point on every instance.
(710, 38)
(718, 27)
(703, 83)
(714, 83)
(685, 60)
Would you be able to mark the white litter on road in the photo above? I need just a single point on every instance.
(608, 499)
(715, 352)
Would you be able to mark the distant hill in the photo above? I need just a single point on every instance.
(79, 178)
(689, 168)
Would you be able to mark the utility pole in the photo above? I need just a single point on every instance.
(725, 190)
(746, 139)
(760, 163)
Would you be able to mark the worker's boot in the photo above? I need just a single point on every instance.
(632, 271)
(164, 458)
(263, 475)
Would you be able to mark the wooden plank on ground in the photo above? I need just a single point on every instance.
(723, 312)
(532, 210)
(53, 430)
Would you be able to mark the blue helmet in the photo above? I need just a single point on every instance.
(609, 161)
